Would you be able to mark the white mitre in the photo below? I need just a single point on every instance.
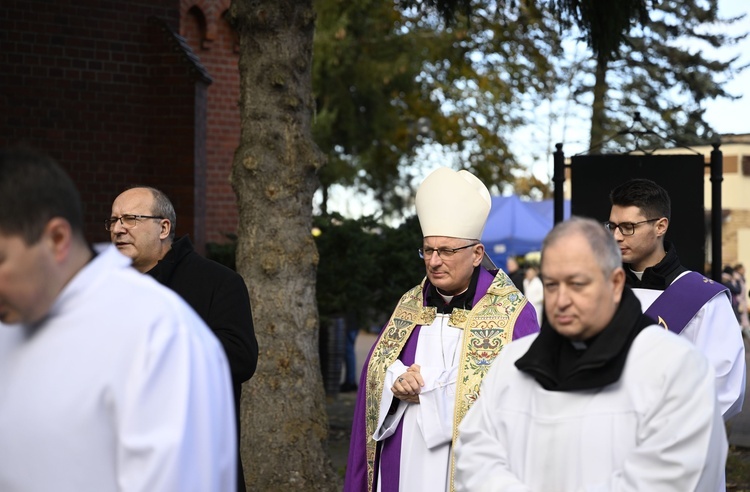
(453, 204)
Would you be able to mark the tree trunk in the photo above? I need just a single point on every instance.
(284, 421)
(599, 115)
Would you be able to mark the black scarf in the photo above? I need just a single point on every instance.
(558, 366)
(659, 276)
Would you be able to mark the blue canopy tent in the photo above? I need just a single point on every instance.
(547, 209)
(515, 227)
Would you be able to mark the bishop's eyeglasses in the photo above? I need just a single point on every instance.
(128, 220)
(426, 253)
(626, 228)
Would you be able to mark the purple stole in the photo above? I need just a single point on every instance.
(682, 300)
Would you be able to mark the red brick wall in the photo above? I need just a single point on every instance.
(177, 133)
(100, 87)
(212, 39)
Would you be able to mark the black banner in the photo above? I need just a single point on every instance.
(593, 176)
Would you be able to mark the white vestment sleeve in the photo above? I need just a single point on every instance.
(679, 442)
(435, 409)
(176, 429)
(387, 423)
(681, 438)
(436, 403)
(717, 334)
(482, 449)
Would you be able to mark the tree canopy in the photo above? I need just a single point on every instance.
(390, 83)
(664, 72)
(401, 84)
(603, 24)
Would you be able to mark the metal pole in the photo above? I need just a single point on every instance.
(717, 176)
(558, 179)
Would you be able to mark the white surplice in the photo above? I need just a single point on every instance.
(121, 388)
(428, 426)
(716, 333)
(657, 429)
(533, 289)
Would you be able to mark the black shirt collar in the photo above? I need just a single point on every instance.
(659, 276)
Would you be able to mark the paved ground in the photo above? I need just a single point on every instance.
(341, 408)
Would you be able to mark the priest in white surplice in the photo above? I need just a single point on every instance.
(602, 399)
(684, 302)
(109, 382)
(424, 371)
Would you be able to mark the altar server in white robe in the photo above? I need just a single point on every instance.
(684, 302)
(602, 399)
(108, 381)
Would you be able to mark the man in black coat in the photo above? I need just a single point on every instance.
(142, 226)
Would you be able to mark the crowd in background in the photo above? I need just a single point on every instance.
(733, 277)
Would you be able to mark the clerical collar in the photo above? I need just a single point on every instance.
(446, 304)
(446, 298)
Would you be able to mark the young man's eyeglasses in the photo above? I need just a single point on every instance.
(128, 220)
(426, 253)
(626, 228)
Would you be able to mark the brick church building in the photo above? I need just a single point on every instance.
(125, 93)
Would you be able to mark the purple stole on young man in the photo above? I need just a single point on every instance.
(682, 300)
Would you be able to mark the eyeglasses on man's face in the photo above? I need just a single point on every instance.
(128, 220)
(626, 228)
(426, 253)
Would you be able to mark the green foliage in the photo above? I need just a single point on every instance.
(395, 81)
(738, 469)
(364, 267)
(604, 24)
(390, 82)
(223, 253)
(663, 73)
(401, 267)
(363, 77)
(447, 9)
